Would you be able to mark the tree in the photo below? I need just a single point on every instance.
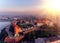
(46, 31)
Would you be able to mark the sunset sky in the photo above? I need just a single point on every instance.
(40, 6)
(18, 4)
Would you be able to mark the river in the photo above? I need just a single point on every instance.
(4, 24)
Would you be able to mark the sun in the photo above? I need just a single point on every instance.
(52, 6)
